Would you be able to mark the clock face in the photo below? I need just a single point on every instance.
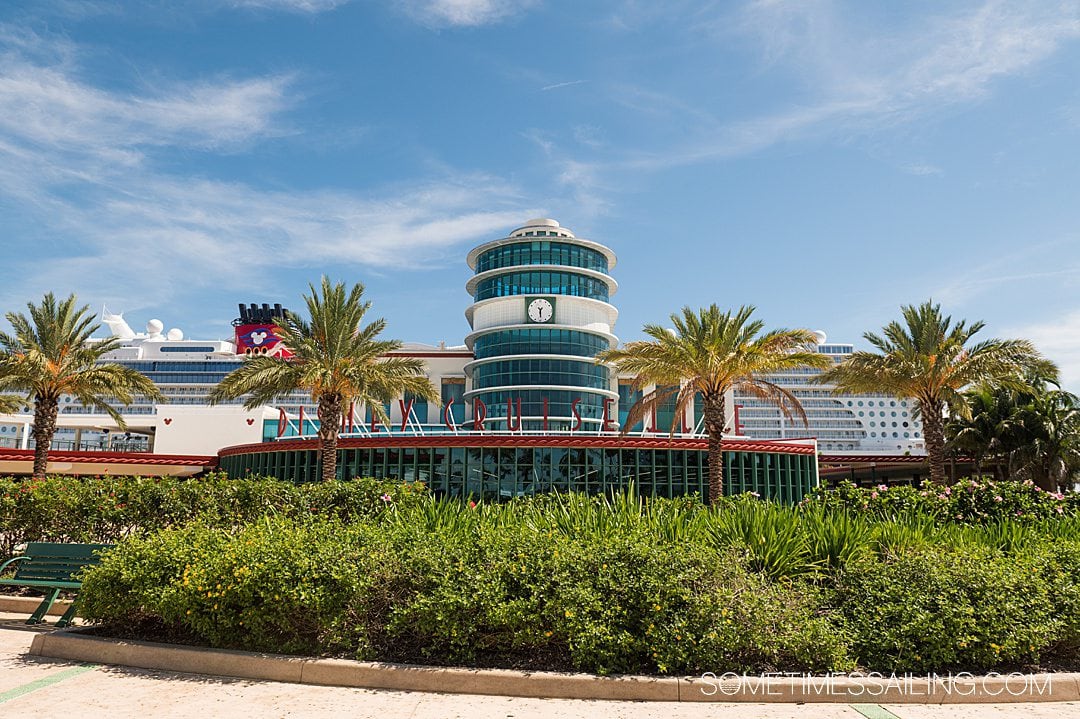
(541, 310)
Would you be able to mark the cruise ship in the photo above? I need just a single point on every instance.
(541, 309)
(849, 424)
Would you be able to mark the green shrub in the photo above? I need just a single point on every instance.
(834, 538)
(107, 509)
(768, 534)
(881, 502)
(930, 609)
(967, 501)
(494, 588)
(984, 500)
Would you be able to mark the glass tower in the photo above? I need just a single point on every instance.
(540, 314)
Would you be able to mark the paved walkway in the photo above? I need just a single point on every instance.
(35, 687)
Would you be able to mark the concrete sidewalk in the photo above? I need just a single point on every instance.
(33, 686)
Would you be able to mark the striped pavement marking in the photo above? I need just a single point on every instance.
(46, 682)
(873, 711)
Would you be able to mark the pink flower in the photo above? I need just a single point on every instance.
(997, 498)
(387, 498)
(873, 495)
(882, 487)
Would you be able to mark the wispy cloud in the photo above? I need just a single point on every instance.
(464, 13)
(581, 179)
(48, 106)
(308, 6)
(921, 168)
(858, 80)
(557, 85)
(1028, 264)
(1058, 339)
(79, 164)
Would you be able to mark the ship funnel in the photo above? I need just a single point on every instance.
(117, 326)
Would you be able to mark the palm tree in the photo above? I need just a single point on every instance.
(335, 359)
(712, 352)
(10, 404)
(1050, 454)
(991, 430)
(929, 359)
(50, 355)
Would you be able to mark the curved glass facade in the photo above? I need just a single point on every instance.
(540, 341)
(497, 473)
(570, 373)
(544, 282)
(542, 253)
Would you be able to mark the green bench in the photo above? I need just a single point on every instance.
(51, 567)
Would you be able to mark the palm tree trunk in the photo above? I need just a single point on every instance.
(715, 419)
(934, 431)
(45, 412)
(329, 428)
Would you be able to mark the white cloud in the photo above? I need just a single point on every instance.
(464, 13)
(78, 164)
(47, 106)
(1060, 341)
(308, 6)
(557, 85)
(857, 79)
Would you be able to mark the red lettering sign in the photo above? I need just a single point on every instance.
(479, 414)
(577, 416)
(509, 415)
(406, 410)
(606, 424)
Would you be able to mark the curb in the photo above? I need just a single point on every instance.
(18, 605)
(954, 689)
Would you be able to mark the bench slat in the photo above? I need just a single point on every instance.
(38, 583)
(55, 563)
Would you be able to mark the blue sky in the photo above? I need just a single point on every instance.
(824, 161)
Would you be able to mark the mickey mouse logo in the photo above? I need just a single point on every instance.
(168, 421)
(250, 422)
(258, 337)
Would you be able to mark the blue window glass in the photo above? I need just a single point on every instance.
(538, 341)
(627, 399)
(544, 252)
(542, 283)
(512, 372)
(454, 390)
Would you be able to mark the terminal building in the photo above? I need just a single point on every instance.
(524, 407)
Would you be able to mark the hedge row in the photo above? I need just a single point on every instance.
(573, 582)
(971, 501)
(107, 509)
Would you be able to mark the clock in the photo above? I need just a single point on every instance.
(540, 310)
